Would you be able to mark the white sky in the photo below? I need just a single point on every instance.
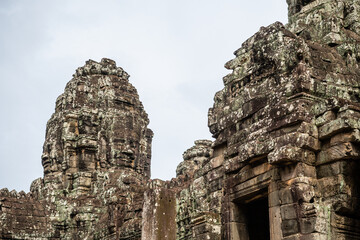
(174, 52)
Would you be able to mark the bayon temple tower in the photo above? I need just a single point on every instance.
(284, 162)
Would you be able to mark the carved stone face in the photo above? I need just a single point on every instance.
(45, 159)
(52, 156)
(125, 151)
(99, 123)
(125, 141)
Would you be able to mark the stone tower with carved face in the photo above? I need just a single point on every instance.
(99, 124)
(284, 164)
(96, 160)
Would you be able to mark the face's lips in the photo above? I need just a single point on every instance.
(129, 154)
(45, 160)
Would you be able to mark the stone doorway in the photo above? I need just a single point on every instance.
(251, 218)
(257, 216)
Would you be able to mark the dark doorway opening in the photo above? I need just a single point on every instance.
(257, 216)
(250, 217)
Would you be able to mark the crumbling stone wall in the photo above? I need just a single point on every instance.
(283, 165)
(22, 214)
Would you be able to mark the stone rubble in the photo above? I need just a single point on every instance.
(283, 165)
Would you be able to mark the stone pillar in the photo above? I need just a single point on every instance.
(159, 213)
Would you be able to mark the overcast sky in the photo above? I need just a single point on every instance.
(173, 50)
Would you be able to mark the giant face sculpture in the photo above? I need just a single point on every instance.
(99, 122)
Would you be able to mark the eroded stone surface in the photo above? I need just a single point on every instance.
(283, 165)
(287, 116)
(96, 160)
(285, 128)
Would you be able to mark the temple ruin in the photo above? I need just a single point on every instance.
(284, 163)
